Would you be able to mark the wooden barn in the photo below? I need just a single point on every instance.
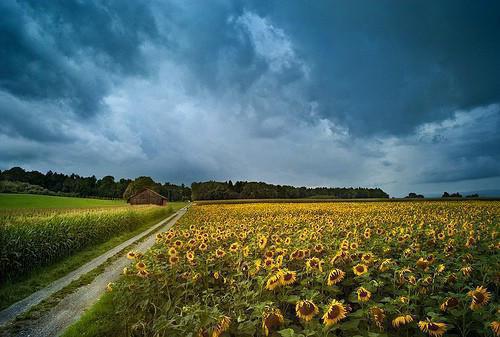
(147, 196)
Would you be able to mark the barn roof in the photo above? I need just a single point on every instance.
(147, 189)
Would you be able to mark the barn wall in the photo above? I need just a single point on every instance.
(147, 197)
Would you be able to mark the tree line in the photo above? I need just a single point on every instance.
(214, 190)
(75, 185)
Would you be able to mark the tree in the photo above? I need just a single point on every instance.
(445, 195)
(139, 184)
(413, 195)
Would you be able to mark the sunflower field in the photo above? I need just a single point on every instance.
(322, 269)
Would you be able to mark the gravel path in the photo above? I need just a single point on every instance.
(69, 309)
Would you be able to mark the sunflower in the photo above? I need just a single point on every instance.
(466, 271)
(336, 312)
(306, 310)
(423, 263)
(269, 254)
(271, 319)
(354, 246)
(385, 265)
(262, 242)
(378, 315)
(287, 277)
(173, 260)
(109, 287)
(172, 251)
(142, 273)
(432, 328)
(279, 261)
(273, 282)
(131, 255)
(190, 256)
(363, 294)
(222, 326)
(314, 263)
(449, 303)
(140, 265)
(219, 252)
(480, 296)
(335, 276)
(495, 327)
(268, 263)
(360, 269)
(234, 247)
(401, 320)
(203, 246)
(287, 241)
(318, 248)
(367, 258)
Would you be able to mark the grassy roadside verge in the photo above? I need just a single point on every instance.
(13, 291)
(101, 320)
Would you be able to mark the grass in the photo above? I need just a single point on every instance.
(98, 321)
(19, 201)
(13, 291)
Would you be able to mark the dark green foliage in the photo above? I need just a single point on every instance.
(213, 190)
(413, 195)
(139, 184)
(453, 195)
(74, 185)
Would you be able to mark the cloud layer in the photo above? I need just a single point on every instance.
(402, 96)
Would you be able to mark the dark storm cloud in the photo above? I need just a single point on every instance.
(69, 50)
(387, 66)
(328, 92)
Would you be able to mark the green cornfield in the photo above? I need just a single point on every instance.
(32, 239)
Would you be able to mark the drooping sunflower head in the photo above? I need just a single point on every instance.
(363, 294)
(262, 242)
(401, 320)
(142, 273)
(480, 296)
(423, 263)
(221, 326)
(449, 303)
(385, 265)
(273, 281)
(336, 311)
(360, 269)
(377, 315)
(434, 329)
(173, 260)
(495, 327)
(131, 255)
(271, 320)
(335, 276)
(306, 310)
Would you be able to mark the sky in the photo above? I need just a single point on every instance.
(402, 95)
